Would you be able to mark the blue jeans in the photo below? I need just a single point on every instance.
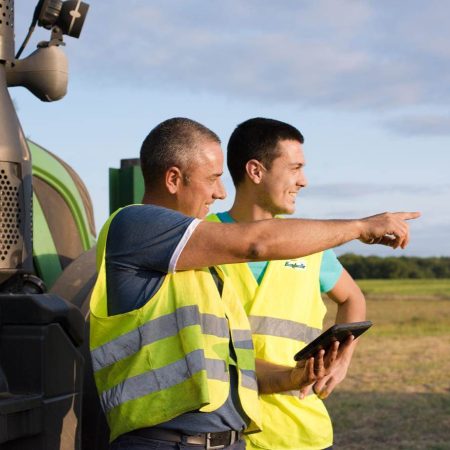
(141, 443)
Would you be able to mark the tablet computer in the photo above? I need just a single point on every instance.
(339, 332)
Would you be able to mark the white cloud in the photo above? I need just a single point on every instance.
(343, 190)
(338, 53)
(430, 124)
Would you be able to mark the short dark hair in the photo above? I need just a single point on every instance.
(172, 143)
(257, 138)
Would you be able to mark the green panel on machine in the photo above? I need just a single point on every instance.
(45, 254)
(126, 185)
(63, 224)
(49, 168)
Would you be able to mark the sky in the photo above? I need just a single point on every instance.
(366, 82)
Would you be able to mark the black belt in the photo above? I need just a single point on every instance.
(217, 440)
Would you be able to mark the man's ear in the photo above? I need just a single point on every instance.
(254, 170)
(173, 179)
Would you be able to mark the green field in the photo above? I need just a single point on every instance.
(397, 392)
(437, 288)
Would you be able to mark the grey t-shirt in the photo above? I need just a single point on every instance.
(142, 247)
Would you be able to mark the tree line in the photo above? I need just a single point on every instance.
(361, 267)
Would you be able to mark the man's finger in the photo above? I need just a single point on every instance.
(309, 370)
(304, 392)
(406, 241)
(323, 394)
(327, 388)
(320, 389)
(408, 215)
(317, 387)
(346, 344)
(389, 240)
(319, 368)
(331, 354)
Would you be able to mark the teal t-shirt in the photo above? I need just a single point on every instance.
(330, 268)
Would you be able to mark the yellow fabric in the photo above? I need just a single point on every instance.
(289, 291)
(193, 290)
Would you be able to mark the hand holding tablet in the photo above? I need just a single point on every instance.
(339, 332)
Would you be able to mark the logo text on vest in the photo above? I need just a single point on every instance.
(299, 265)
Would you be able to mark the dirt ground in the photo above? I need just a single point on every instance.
(397, 392)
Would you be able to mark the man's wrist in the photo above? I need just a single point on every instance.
(358, 226)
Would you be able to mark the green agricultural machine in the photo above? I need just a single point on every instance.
(47, 256)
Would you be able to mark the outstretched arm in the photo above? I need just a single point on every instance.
(218, 243)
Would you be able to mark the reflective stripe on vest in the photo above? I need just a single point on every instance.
(163, 378)
(285, 312)
(242, 339)
(272, 326)
(160, 328)
(249, 379)
(171, 356)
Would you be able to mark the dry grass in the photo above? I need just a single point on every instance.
(434, 288)
(377, 421)
(397, 392)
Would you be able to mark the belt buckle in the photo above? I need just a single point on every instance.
(232, 439)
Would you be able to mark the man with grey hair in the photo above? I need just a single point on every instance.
(170, 342)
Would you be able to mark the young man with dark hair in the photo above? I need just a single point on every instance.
(283, 298)
(170, 342)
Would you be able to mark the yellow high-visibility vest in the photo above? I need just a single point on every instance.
(172, 355)
(285, 312)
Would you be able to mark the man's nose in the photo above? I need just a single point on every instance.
(302, 181)
(220, 192)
